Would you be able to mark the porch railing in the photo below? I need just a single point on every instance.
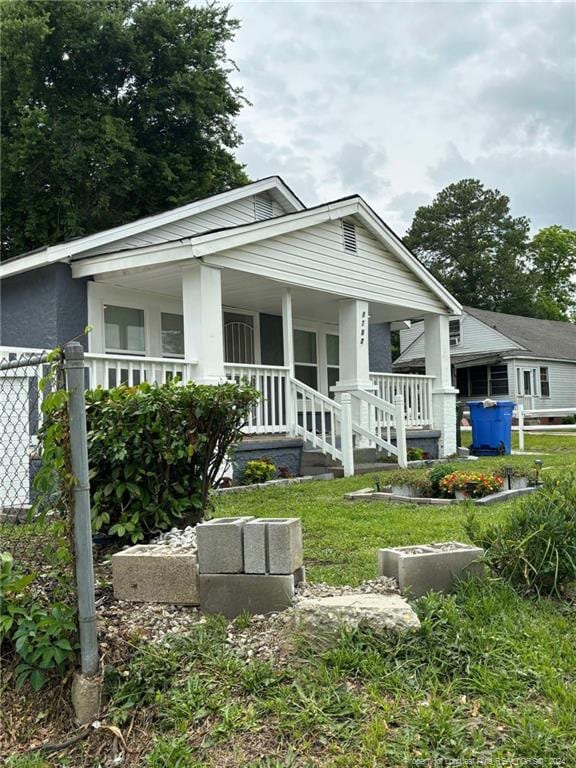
(112, 370)
(270, 414)
(416, 391)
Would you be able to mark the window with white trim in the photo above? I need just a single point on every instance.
(455, 330)
(544, 381)
(349, 237)
(124, 330)
(263, 207)
(306, 357)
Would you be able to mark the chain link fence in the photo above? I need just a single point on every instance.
(35, 527)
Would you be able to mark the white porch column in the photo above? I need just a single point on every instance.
(354, 349)
(203, 332)
(437, 351)
(287, 330)
(354, 358)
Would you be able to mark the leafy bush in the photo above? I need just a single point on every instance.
(258, 471)
(535, 548)
(436, 474)
(155, 452)
(474, 484)
(415, 454)
(40, 635)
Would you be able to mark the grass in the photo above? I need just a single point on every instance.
(490, 679)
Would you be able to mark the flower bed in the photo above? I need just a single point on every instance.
(444, 484)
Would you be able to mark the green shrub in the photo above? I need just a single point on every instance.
(535, 547)
(414, 454)
(258, 471)
(436, 474)
(155, 451)
(41, 635)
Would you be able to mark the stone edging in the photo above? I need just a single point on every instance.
(369, 494)
(273, 483)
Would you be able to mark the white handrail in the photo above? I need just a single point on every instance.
(381, 416)
(323, 423)
(522, 413)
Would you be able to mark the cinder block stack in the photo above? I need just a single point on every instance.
(249, 565)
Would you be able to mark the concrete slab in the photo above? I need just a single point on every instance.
(377, 611)
(221, 545)
(152, 573)
(230, 594)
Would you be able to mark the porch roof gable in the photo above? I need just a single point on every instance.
(74, 248)
(214, 242)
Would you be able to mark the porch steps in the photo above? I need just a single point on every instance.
(314, 462)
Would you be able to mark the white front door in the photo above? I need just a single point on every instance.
(526, 386)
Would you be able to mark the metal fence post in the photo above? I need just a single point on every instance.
(74, 367)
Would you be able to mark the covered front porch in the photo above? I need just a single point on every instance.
(320, 361)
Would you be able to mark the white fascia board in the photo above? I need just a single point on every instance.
(65, 251)
(135, 259)
(397, 247)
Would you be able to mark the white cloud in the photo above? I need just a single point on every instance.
(393, 100)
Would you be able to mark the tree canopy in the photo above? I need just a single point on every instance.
(474, 246)
(553, 272)
(112, 110)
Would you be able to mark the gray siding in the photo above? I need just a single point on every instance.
(380, 347)
(42, 308)
(476, 337)
(271, 341)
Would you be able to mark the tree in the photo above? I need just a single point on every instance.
(111, 110)
(471, 243)
(553, 272)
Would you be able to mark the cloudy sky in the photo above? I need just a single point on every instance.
(395, 100)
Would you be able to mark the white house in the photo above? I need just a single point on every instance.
(250, 283)
(530, 361)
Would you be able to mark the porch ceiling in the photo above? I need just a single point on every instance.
(252, 292)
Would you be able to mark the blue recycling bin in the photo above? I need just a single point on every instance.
(491, 428)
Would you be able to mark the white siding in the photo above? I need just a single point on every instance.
(475, 337)
(315, 258)
(230, 215)
(562, 377)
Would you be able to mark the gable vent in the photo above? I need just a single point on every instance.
(349, 235)
(263, 208)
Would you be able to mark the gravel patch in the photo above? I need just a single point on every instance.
(178, 537)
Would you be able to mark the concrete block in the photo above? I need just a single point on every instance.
(232, 593)
(273, 545)
(426, 567)
(256, 546)
(285, 551)
(149, 573)
(221, 545)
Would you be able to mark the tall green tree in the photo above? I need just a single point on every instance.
(553, 272)
(475, 247)
(111, 110)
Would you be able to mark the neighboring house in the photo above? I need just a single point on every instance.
(527, 360)
(249, 283)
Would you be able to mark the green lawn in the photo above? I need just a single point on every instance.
(489, 680)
